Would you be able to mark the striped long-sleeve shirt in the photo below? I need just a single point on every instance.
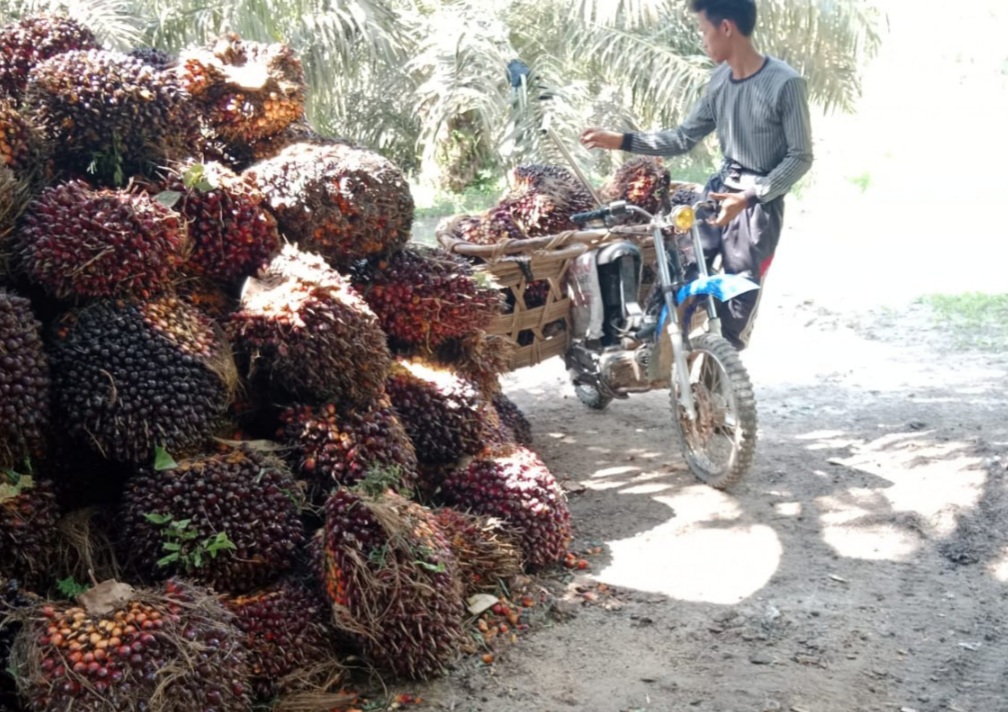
(762, 124)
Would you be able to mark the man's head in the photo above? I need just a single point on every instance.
(724, 23)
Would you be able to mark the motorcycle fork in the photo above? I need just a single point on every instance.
(668, 287)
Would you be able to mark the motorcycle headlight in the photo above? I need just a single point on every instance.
(683, 218)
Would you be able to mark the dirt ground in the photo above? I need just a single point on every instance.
(861, 566)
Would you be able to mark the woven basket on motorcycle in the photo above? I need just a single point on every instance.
(539, 324)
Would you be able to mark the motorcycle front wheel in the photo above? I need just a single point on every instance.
(592, 396)
(719, 444)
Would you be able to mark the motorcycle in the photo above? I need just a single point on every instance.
(620, 347)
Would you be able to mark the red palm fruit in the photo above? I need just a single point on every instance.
(342, 202)
(517, 487)
(33, 39)
(233, 235)
(174, 649)
(304, 326)
(393, 582)
(424, 296)
(335, 447)
(77, 241)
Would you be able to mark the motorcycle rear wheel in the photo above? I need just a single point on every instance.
(592, 397)
(719, 444)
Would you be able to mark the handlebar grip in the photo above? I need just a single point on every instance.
(598, 214)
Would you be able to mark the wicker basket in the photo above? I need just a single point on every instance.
(540, 332)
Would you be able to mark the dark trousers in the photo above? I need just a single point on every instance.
(746, 245)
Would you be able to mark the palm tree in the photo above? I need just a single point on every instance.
(426, 82)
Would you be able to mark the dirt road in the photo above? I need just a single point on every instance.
(862, 566)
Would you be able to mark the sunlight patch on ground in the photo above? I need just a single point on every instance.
(699, 555)
(935, 480)
(999, 568)
(850, 527)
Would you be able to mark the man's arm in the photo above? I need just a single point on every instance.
(798, 134)
(674, 142)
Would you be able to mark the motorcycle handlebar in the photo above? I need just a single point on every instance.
(602, 213)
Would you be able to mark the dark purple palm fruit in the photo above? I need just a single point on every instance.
(174, 648)
(28, 537)
(512, 419)
(543, 197)
(517, 487)
(392, 581)
(31, 40)
(131, 375)
(233, 235)
(76, 241)
(424, 296)
(288, 635)
(110, 114)
(245, 90)
(24, 382)
(342, 202)
(303, 326)
(333, 447)
(229, 520)
(160, 59)
(445, 415)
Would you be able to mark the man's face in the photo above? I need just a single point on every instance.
(715, 37)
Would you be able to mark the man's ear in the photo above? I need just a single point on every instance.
(727, 27)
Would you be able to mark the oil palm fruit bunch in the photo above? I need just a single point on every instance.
(233, 235)
(229, 520)
(76, 241)
(392, 580)
(512, 419)
(424, 296)
(286, 635)
(444, 414)
(112, 115)
(21, 143)
(209, 297)
(543, 198)
(24, 381)
(488, 228)
(333, 446)
(483, 548)
(642, 181)
(517, 487)
(173, 649)
(130, 375)
(28, 537)
(304, 325)
(342, 202)
(245, 90)
(32, 40)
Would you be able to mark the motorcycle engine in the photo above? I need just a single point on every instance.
(625, 370)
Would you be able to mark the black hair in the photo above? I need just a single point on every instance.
(741, 12)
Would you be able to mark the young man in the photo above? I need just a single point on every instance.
(759, 107)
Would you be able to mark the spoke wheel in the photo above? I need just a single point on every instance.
(719, 444)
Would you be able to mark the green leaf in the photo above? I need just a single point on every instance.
(166, 560)
(171, 546)
(436, 568)
(159, 519)
(168, 198)
(162, 460)
(197, 559)
(70, 587)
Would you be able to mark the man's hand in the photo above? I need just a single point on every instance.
(600, 138)
(731, 205)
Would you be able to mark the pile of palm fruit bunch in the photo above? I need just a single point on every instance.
(249, 429)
